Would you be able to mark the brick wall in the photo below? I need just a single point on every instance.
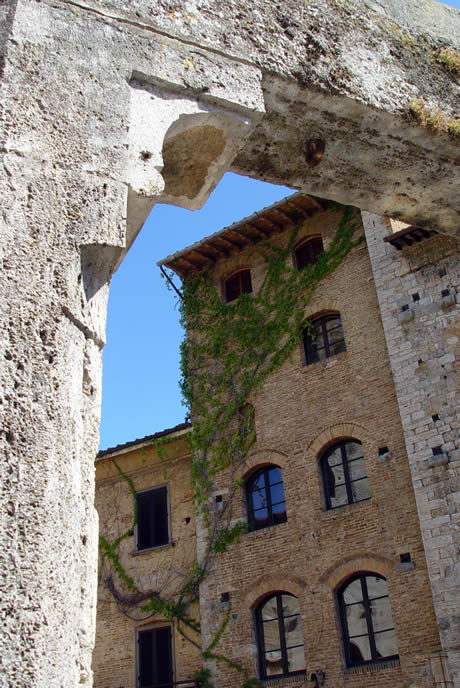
(161, 569)
(300, 411)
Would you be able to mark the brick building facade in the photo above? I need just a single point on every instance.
(349, 488)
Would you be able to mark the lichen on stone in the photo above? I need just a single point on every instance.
(433, 118)
(450, 58)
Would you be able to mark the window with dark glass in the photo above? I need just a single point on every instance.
(344, 474)
(323, 338)
(279, 635)
(367, 623)
(265, 498)
(238, 284)
(152, 518)
(307, 252)
(155, 666)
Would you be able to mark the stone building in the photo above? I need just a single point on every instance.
(348, 575)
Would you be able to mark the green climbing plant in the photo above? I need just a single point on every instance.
(229, 351)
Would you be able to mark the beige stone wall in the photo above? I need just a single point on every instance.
(423, 342)
(162, 569)
(300, 411)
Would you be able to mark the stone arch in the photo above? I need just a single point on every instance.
(336, 574)
(266, 584)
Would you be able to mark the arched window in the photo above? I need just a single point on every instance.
(344, 474)
(323, 338)
(237, 284)
(307, 252)
(367, 623)
(265, 498)
(279, 636)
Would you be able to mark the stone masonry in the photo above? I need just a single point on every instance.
(423, 344)
(107, 108)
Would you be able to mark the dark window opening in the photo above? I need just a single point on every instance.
(323, 338)
(155, 666)
(238, 284)
(307, 253)
(265, 498)
(367, 623)
(152, 518)
(279, 636)
(344, 474)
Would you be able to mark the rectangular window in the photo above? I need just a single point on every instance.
(155, 666)
(152, 518)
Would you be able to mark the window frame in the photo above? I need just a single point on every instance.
(361, 576)
(261, 638)
(148, 490)
(264, 470)
(239, 274)
(323, 320)
(154, 629)
(346, 473)
(313, 257)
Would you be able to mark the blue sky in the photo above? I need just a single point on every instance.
(140, 393)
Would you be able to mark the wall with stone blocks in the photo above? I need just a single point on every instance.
(418, 294)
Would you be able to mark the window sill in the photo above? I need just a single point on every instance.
(372, 668)
(136, 552)
(295, 680)
(337, 511)
(268, 529)
(327, 363)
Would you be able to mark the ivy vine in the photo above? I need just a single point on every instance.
(227, 354)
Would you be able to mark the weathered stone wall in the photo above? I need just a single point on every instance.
(423, 343)
(162, 570)
(73, 151)
(300, 410)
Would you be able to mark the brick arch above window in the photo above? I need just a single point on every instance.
(264, 585)
(261, 458)
(334, 433)
(320, 309)
(338, 573)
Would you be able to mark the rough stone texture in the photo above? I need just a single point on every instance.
(70, 75)
(424, 352)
